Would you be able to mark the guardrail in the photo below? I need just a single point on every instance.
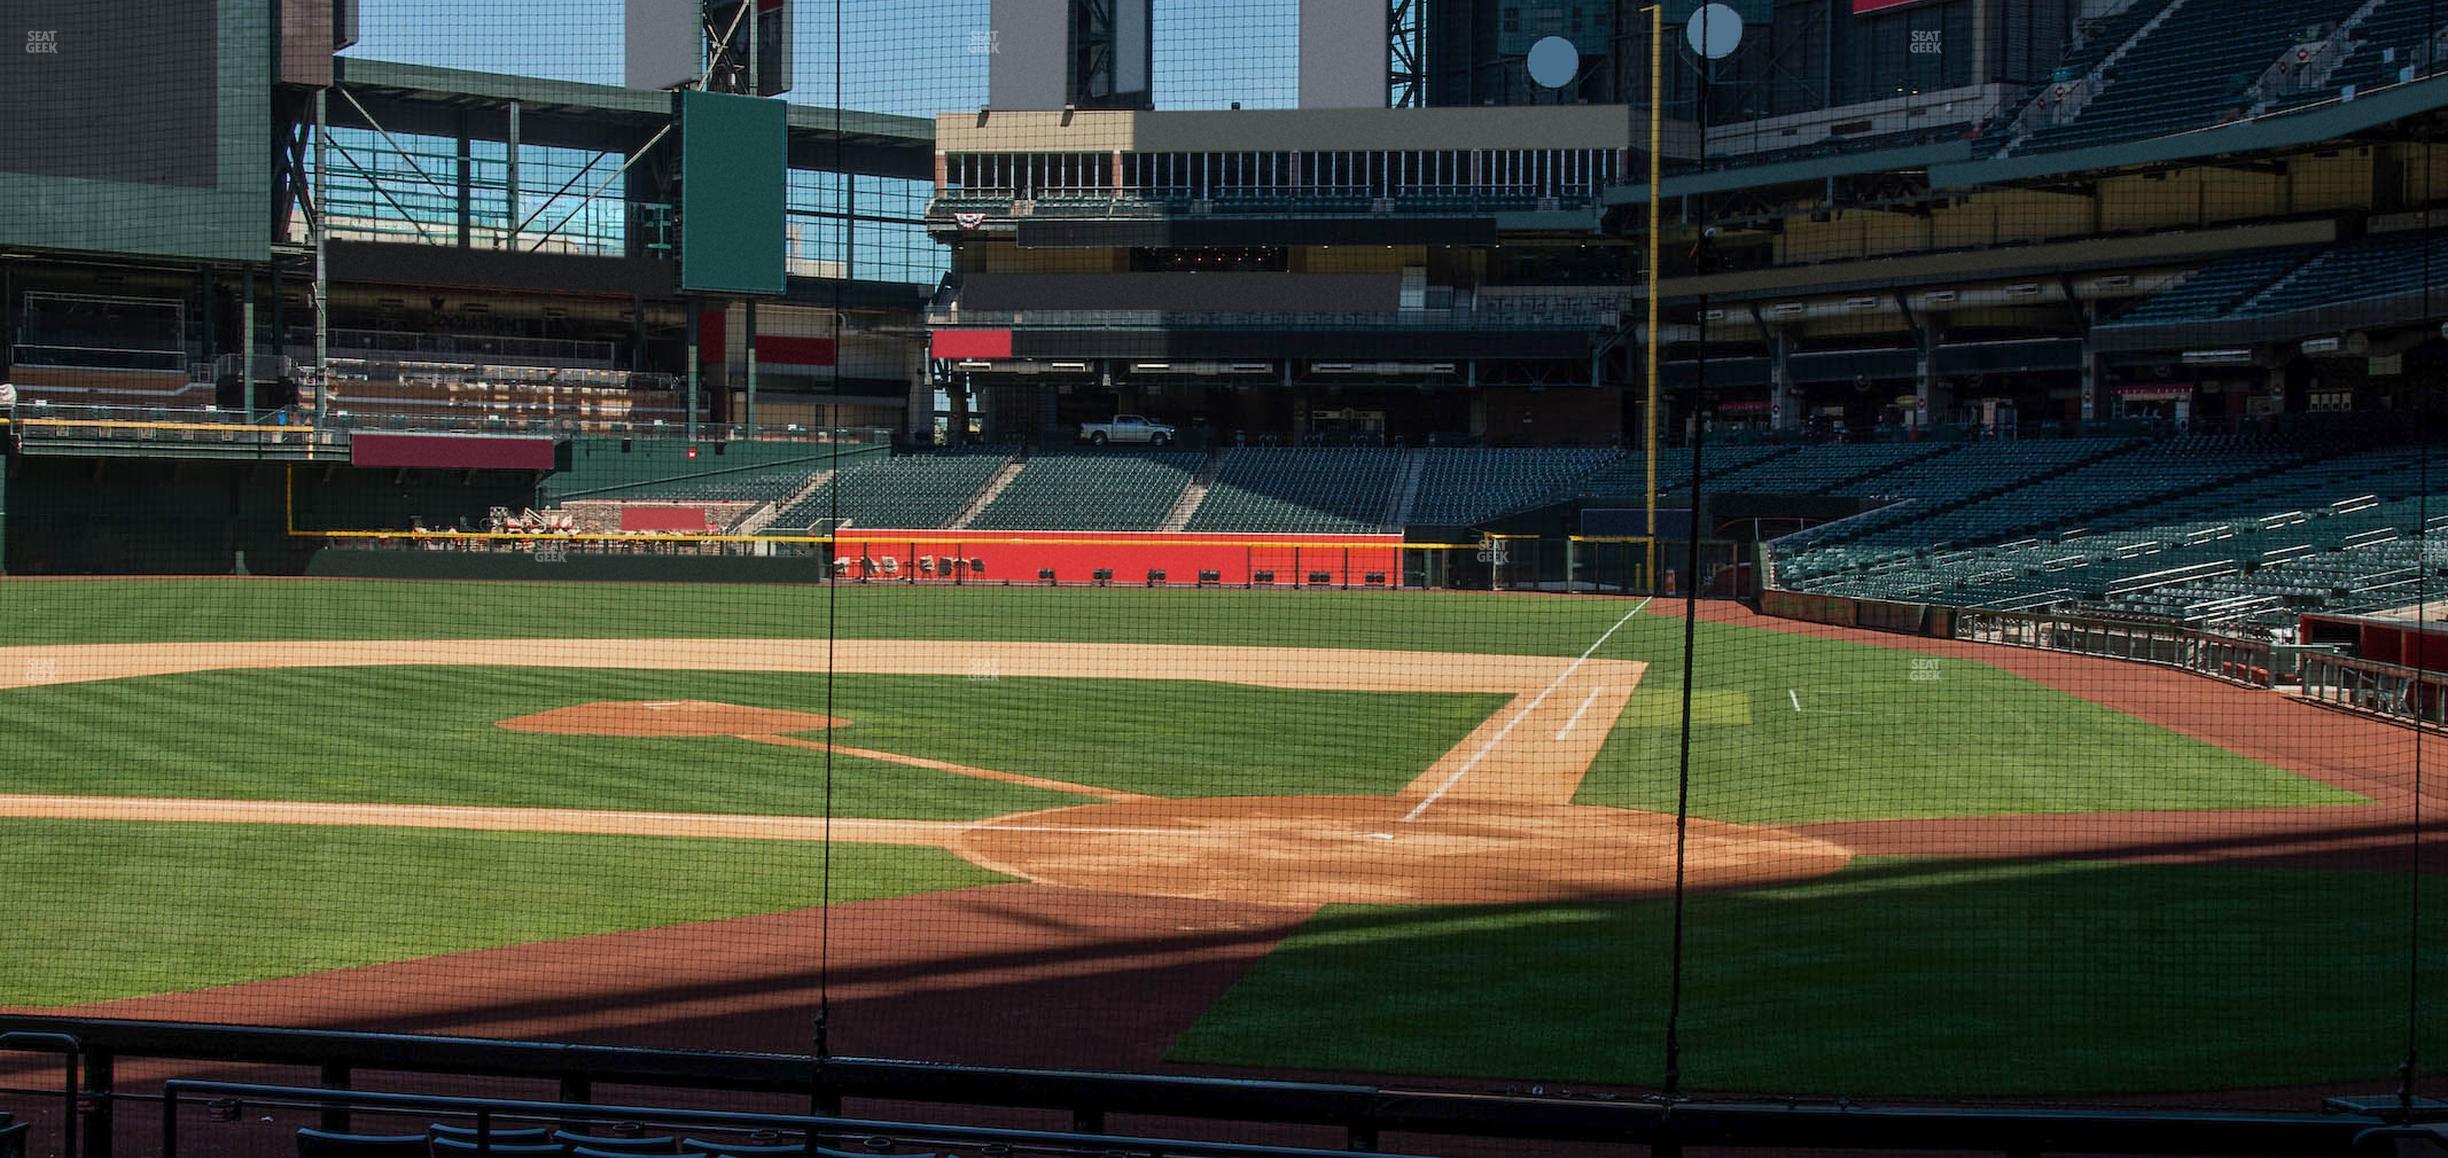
(1934, 620)
(1363, 1113)
(2390, 691)
(1573, 316)
(2220, 657)
(298, 426)
(2243, 661)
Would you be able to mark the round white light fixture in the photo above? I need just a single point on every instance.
(1716, 30)
(1554, 62)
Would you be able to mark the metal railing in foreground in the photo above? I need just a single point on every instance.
(2244, 661)
(298, 425)
(486, 1116)
(2390, 691)
(1363, 1113)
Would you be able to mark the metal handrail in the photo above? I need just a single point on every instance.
(1363, 1112)
(485, 1110)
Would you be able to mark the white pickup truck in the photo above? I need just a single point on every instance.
(1126, 428)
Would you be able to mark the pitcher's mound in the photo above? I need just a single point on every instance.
(669, 718)
(1313, 850)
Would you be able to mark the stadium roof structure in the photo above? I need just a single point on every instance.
(574, 114)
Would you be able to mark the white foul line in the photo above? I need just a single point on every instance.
(1575, 721)
(1518, 717)
(1797, 700)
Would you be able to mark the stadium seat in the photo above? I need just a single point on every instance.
(1463, 486)
(2213, 290)
(450, 1147)
(1300, 489)
(618, 1143)
(744, 1149)
(329, 1144)
(1109, 491)
(516, 1134)
(904, 492)
(2192, 70)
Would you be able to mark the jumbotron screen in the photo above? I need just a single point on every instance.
(141, 127)
(139, 92)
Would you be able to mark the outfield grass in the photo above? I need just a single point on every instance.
(428, 735)
(1789, 729)
(1895, 977)
(105, 910)
(139, 610)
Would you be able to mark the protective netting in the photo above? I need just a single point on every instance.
(1132, 554)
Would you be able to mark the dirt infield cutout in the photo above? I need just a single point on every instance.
(665, 718)
(1490, 822)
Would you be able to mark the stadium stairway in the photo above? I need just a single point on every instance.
(1406, 491)
(1186, 507)
(987, 494)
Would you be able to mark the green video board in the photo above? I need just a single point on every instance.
(732, 159)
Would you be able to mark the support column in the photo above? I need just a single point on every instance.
(280, 340)
(1785, 401)
(246, 346)
(2090, 368)
(466, 185)
(1928, 388)
(209, 337)
(748, 323)
(689, 417)
(958, 433)
(637, 334)
(919, 416)
(511, 195)
(322, 270)
(849, 266)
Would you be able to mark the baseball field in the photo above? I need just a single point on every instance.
(1429, 836)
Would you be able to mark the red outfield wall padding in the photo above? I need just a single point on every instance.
(1076, 556)
(452, 451)
(972, 343)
